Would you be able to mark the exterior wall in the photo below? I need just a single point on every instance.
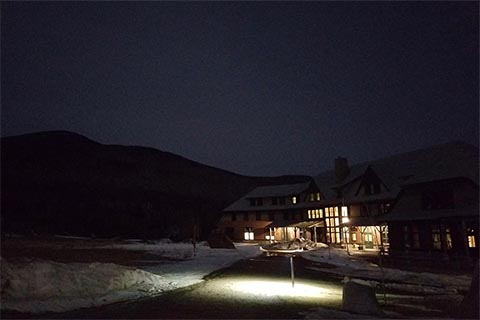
(235, 229)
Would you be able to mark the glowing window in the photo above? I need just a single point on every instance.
(471, 242)
(294, 200)
(248, 234)
(318, 196)
(312, 197)
(344, 211)
(309, 214)
(336, 211)
(354, 237)
(448, 238)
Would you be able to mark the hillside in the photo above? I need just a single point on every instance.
(63, 182)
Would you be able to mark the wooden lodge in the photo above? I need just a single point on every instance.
(421, 203)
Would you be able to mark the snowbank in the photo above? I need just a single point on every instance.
(35, 286)
(418, 282)
(38, 286)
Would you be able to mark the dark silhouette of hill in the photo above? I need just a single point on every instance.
(60, 181)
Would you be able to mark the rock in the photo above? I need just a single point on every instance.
(360, 298)
(219, 239)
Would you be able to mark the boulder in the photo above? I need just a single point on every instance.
(219, 240)
(360, 298)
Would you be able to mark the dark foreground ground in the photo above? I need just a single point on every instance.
(258, 288)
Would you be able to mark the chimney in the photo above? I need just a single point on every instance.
(341, 169)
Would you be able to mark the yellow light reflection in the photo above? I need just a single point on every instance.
(283, 288)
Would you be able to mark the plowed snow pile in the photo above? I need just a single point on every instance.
(38, 286)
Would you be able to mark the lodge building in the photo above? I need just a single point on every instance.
(424, 201)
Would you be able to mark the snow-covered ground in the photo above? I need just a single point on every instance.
(415, 282)
(35, 286)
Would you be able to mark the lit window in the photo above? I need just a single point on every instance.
(294, 200)
(248, 234)
(309, 214)
(354, 237)
(318, 196)
(471, 242)
(336, 211)
(321, 213)
(270, 237)
(344, 214)
(448, 238)
(312, 197)
(436, 241)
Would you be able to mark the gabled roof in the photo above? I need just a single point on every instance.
(440, 162)
(284, 190)
(278, 190)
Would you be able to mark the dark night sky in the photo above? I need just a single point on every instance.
(255, 88)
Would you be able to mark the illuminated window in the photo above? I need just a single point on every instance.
(471, 242)
(309, 212)
(311, 197)
(344, 214)
(248, 234)
(332, 222)
(318, 196)
(354, 237)
(294, 200)
(448, 238)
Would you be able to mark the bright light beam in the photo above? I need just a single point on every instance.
(280, 288)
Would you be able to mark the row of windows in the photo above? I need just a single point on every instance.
(270, 216)
(311, 214)
(257, 202)
(440, 237)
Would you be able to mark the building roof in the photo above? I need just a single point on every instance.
(440, 162)
(286, 190)
(278, 190)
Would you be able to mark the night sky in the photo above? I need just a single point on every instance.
(254, 88)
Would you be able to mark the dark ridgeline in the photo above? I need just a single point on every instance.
(62, 182)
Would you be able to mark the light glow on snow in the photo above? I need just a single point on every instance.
(279, 288)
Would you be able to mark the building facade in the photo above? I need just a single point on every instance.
(424, 202)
